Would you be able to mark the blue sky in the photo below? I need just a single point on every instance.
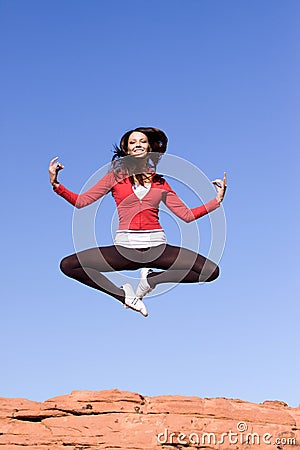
(221, 79)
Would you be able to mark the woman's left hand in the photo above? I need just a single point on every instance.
(221, 187)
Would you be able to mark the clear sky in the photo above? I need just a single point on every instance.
(221, 78)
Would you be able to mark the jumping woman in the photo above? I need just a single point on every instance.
(140, 241)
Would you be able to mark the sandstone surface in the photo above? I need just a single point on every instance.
(116, 419)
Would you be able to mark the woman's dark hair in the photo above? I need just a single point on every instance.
(124, 165)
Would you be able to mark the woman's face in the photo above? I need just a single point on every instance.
(138, 145)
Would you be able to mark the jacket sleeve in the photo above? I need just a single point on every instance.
(176, 205)
(97, 191)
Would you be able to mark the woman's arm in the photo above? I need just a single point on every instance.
(97, 191)
(176, 205)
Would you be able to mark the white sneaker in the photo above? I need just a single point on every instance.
(131, 301)
(143, 287)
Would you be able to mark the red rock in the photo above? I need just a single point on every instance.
(116, 419)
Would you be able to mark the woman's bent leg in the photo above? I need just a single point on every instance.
(86, 266)
(181, 265)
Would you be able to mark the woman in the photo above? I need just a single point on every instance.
(140, 241)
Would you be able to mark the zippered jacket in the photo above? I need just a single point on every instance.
(135, 213)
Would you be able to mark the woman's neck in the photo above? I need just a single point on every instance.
(141, 173)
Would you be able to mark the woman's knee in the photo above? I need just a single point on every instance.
(67, 265)
(215, 272)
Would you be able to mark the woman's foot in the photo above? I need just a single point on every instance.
(143, 287)
(132, 301)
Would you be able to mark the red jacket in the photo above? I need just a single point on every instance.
(136, 214)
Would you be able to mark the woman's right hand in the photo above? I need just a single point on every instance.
(54, 168)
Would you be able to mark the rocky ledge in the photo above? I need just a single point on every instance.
(116, 419)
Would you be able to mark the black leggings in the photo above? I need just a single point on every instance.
(175, 265)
